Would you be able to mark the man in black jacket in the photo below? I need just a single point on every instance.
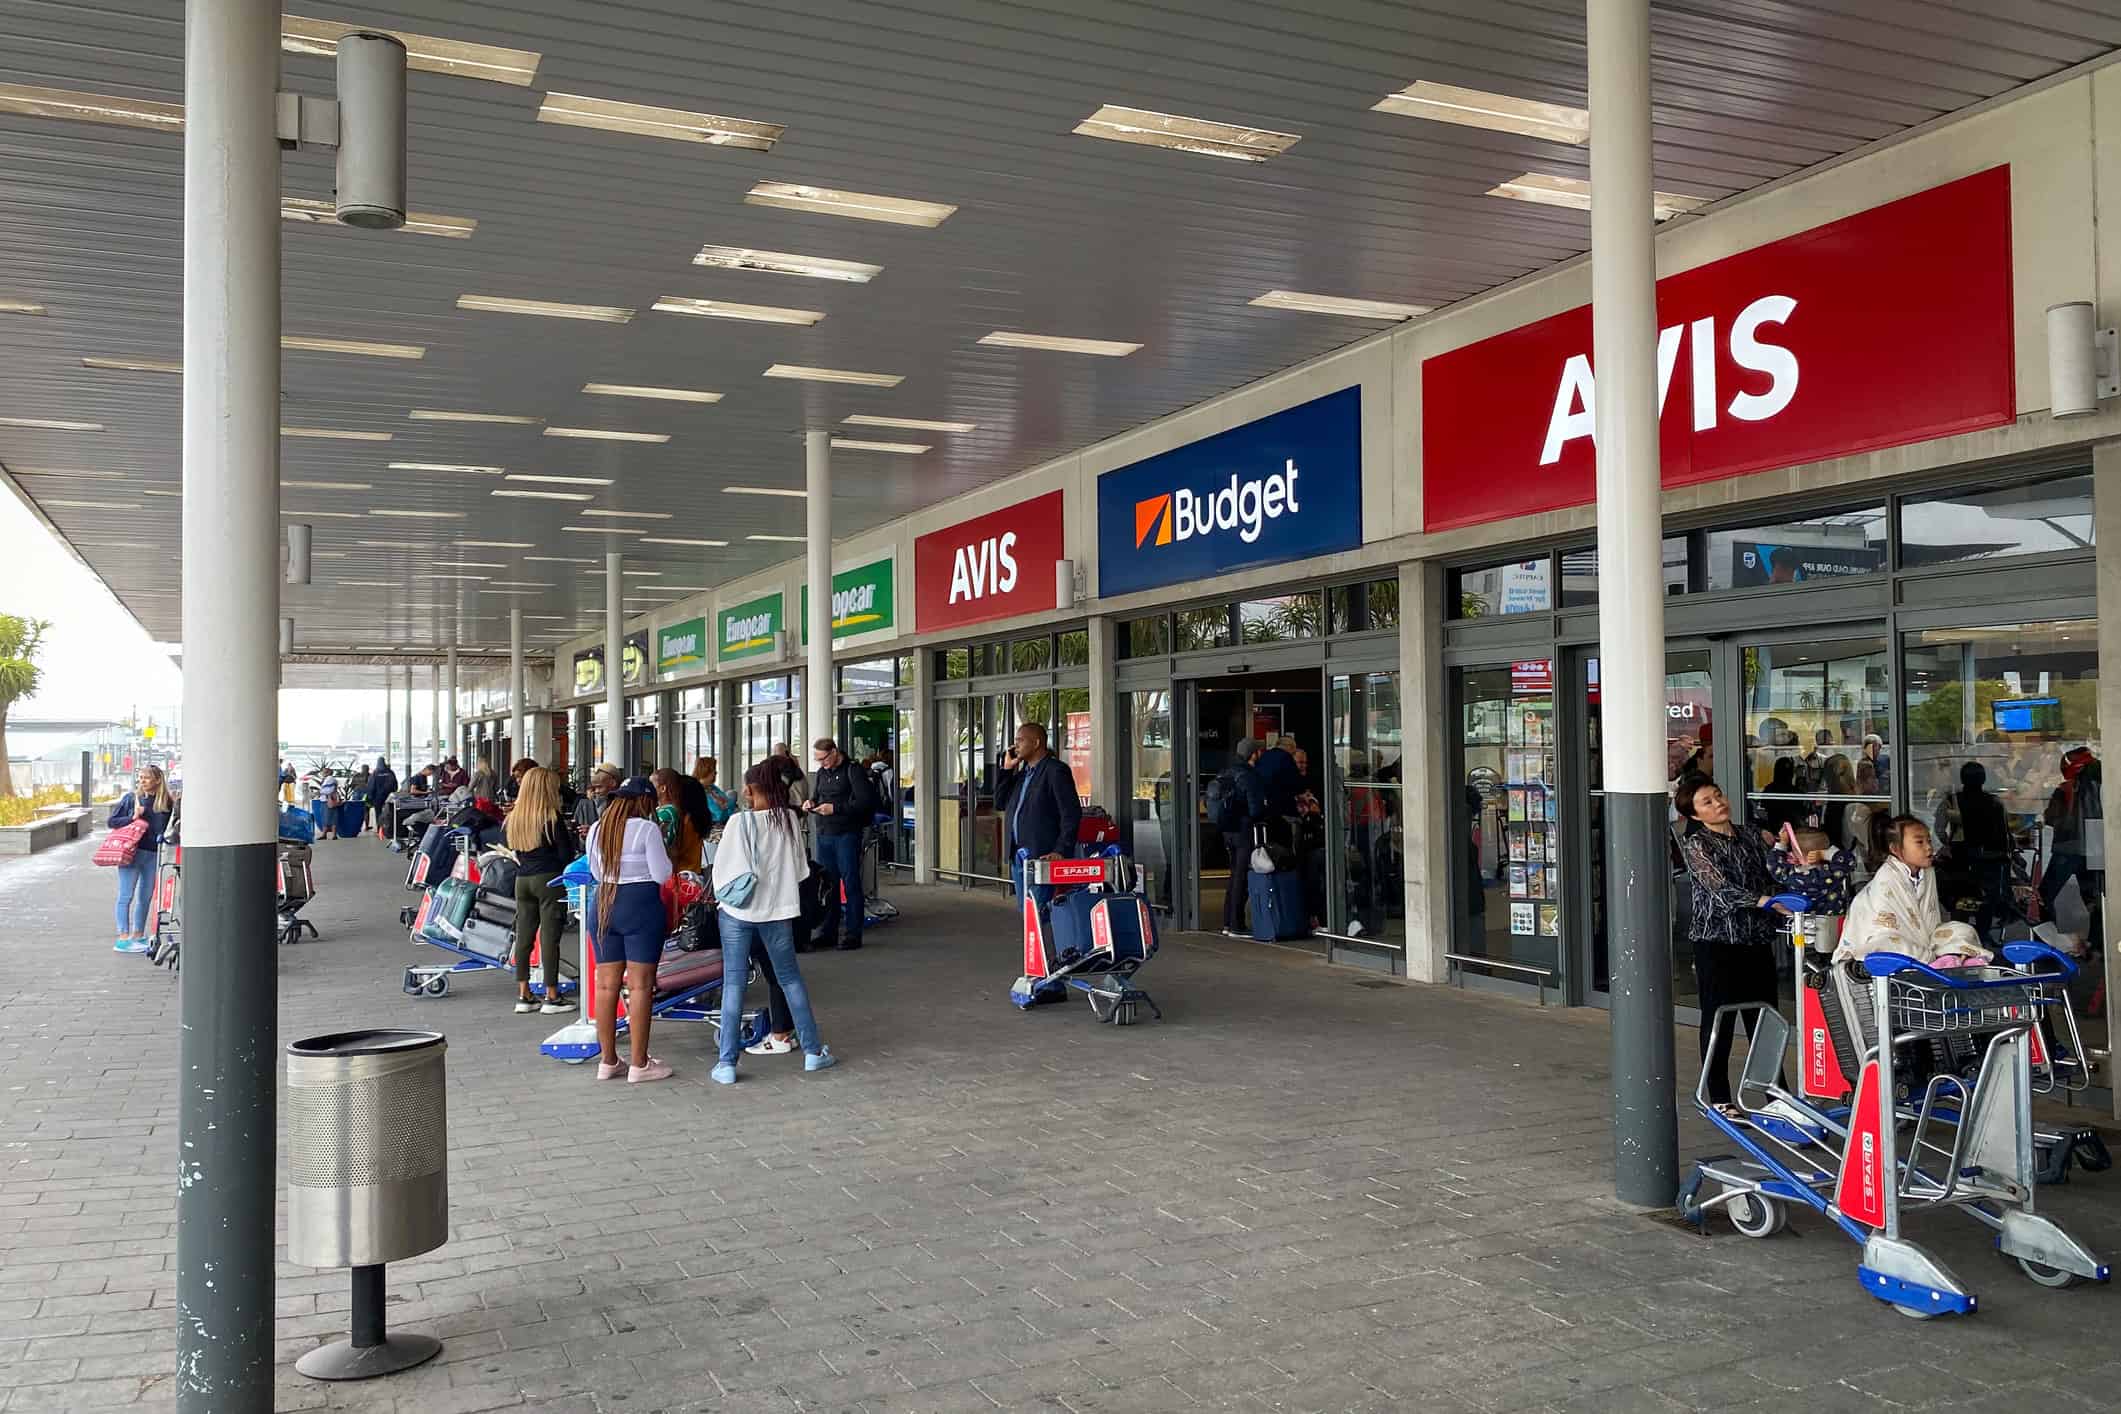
(1240, 805)
(843, 802)
(1036, 795)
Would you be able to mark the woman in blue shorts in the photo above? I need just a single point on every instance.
(630, 865)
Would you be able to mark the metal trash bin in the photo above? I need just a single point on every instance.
(368, 1178)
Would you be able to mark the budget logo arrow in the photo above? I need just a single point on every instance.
(1153, 514)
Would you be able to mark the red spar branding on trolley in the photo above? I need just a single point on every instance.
(1887, 327)
(994, 567)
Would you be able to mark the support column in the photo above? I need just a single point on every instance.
(519, 715)
(615, 744)
(434, 709)
(728, 742)
(411, 751)
(449, 712)
(820, 692)
(388, 754)
(1106, 749)
(228, 1007)
(927, 771)
(1631, 603)
(2106, 521)
(1434, 885)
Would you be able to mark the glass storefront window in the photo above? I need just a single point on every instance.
(874, 676)
(1287, 617)
(1149, 822)
(955, 663)
(905, 669)
(1364, 608)
(1075, 648)
(1028, 655)
(1817, 737)
(1979, 524)
(1071, 737)
(1579, 573)
(1207, 627)
(1369, 808)
(1800, 551)
(906, 764)
(1145, 638)
(1507, 815)
(1520, 587)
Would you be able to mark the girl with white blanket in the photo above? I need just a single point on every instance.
(1898, 910)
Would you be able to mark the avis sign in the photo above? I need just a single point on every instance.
(1283, 487)
(994, 567)
(1887, 327)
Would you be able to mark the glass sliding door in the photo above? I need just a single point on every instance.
(1368, 809)
(1149, 819)
(1818, 729)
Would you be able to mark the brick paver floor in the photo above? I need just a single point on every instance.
(1305, 1189)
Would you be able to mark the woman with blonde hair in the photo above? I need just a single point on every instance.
(543, 841)
(625, 923)
(148, 800)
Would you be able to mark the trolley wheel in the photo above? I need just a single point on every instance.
(1913, 1313)
(2048, 1276)
(1756, 1215)
(438, 986)
(411, 983)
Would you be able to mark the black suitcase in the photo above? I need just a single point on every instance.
(820, 923)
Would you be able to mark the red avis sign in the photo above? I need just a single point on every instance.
(994, 567)
(1890, 326)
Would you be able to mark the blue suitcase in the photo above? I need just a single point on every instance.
(1277, 902)
(1123, 924)
(1068, 923)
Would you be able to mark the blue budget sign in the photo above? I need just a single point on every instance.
(1284, 487)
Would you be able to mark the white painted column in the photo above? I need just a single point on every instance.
(518, 705)
(820, 692)
(434, 709)
(411, 751)
(2106, 520)
(616, 748)
(449, 712)
(1435, 871)
(1631, 603)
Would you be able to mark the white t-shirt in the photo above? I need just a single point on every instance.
(754, 843)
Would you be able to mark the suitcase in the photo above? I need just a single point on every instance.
(1068, 923)
(488, 934)
(446, 910)
(1277, 903)
(681, 971)
(433, 860)
(1124, 925)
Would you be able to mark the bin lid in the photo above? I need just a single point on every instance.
(364, 1043)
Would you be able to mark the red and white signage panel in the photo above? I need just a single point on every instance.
(995, 567)
(1887, 327)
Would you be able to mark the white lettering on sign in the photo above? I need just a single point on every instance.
(1242, 506)
(857, 599)
(1576, 398)
(743, 630)
(680, 645)
(1679, 711)
(986, 568)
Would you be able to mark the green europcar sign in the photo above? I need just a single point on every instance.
(747, 630)
(680, 647)
(862, 600)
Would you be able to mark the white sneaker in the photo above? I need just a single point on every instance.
(771, 1046)
(556, 1006)
(525, 1005)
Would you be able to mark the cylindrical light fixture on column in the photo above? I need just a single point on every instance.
(298, 537)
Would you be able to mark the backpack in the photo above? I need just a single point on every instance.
(1226, 802)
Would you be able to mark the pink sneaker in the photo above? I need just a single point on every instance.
(610, 1070)
(654, 1070)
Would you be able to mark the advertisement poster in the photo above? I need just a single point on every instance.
(1524, 919)
(589, 672)
(634, 662)
(1078, 751)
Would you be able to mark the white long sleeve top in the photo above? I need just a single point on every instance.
(642, 857)
(754, 842)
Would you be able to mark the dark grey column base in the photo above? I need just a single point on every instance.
(1639, 954)
(343, 1360)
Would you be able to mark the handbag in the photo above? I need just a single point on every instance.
(120, 845)
(738, 891)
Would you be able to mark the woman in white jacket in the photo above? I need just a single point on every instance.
(759, 869)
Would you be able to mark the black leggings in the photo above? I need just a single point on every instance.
(1728, 974)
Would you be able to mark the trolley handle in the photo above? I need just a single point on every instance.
(1790, 903)
(1893, 964)
(2029, 953)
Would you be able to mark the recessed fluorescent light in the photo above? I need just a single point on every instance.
(135, 365)
(628, 574)
(177, 494)
(630, 390)
(434, 415)
(327, 486)
(762, 491)
(67, 471)
(312, 212)
(92, 505)
(750, 313)
(335, 434)
(479, 578)
(50, 423)
(661, 589)
(304, 344)
(781, 262)
(603, 529)
(680, 588)
(556, 560)
(856, 444)
(1199, 136)
(448, 466)
(1335, 304)
(16, 306)
(123, 545)
(420, 515)
(677, 124)
(548, 619)
(561, 480)
(523, 584)
(778, 539)
(602, 434)
(632, 515)
(468, 565)
(1103, 348)
(1497, 112)
(663, 540)
(372, 583)
(914, 424)
(834, 375)
(862, 206)
(422, 51)
(498, 304)
(497, 544)
(1575, 194)
(494, 588)
(543, 495)
(34, 102)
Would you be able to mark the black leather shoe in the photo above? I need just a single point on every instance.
(848, 947)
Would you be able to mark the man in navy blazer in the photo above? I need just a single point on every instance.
(1036, 795)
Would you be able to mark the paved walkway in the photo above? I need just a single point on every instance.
(1306, 1189)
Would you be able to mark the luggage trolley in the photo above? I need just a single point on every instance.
(476, 927)
(296, 886)
(1969, 1141)
(1093, 940)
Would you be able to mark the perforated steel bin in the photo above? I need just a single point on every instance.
(368, 1148)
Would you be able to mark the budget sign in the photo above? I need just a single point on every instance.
(1285, 487)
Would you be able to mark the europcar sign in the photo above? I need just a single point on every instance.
(1284, 487)
(681, 647)
(748, 629)
(862, 600)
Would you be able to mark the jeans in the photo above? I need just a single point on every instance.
(541, 914)
(136, 894)
(778, 940)
(1019, 874)
(842, 854)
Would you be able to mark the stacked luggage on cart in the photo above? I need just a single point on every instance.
(467, 910)
(1274, 890)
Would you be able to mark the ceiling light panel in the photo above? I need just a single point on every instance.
(677, 124)
(92, 505)
(448, 466)
(634, 390)
(312, 212)
(438, 415)
(559, 480)
(778, 539)
(602, 529)
(834, 375)
(1336, 304)
(497, 544)
(762, 491)
(543, 495)
(75, 472)
(419, 515)
(501, 304)
(327, 486)
(134, 365)
(1497, 112)
(16, 306)
(781, 262)
(750, 313)
(335, 434)
(556, 560)
(910, 424)
(1544, 189)
(632, 515)
(856, 444)
(292, 514)
(664, 540)
(426, 52)
(33, 102)
(51, 424)
(601, 434)
(861, 206)
(305, 344)
(1199, 136)
(1103, 348)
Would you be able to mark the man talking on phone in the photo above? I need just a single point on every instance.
(1036, 795)
(843, 800)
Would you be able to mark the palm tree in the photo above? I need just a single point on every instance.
(20, 639)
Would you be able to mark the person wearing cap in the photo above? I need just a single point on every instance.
(625, 925)
(1241, 805)
(602, 782)
(843, 803)
(1035, 794)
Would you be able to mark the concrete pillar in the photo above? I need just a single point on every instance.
(1631, 603)
(820, 692)
(434, 710)
(449, 711)
(519, 716)
(388, 754)
(228, 1014)
(1106, 748)
(615, 661)
(927, 770)
(727, 743)
(2106, 521)
(411, 750)
(1430, 844)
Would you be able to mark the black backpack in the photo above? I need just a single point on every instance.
(820, 922)
(1226, 802)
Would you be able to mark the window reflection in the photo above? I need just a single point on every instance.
(1817, 744)
(1520, 587)
(1802, 551)
(1978, 524)
(1274, 620)
(1369, 807)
